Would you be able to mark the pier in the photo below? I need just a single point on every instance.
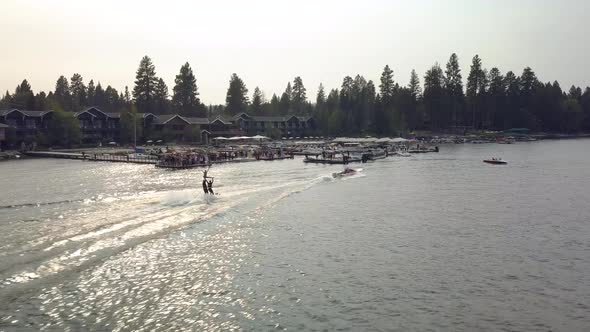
(95, 157)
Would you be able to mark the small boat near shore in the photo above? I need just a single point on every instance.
(495, 161)
(401, 154)
(346, 172)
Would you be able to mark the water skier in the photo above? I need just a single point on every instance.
(210, 186)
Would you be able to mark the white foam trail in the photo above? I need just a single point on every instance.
(156, 215)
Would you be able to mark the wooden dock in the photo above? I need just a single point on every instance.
(334, 161)
(95, 157)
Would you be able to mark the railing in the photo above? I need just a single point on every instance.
(143, 159)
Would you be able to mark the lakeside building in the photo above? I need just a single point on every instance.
(2, 133)
(27, 124)
(99, 126)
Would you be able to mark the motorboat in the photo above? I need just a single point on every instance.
(346, 172)
(495, 161)
(402, 154)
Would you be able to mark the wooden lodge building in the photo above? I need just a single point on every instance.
(98, 126)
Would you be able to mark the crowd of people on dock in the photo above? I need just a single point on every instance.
(270, 154)
(183, 159)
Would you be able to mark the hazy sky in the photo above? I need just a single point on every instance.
(269, 42)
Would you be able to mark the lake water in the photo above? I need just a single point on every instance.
(429, 243)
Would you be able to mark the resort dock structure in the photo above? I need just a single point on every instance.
(334, 161)
(95, 157)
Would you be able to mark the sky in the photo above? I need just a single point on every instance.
(269, 42)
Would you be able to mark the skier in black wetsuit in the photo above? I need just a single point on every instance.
(205, 186)
(210, 186)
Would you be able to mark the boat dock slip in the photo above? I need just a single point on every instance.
(94, 157)
(336, 161)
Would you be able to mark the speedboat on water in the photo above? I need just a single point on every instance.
(402, 154)
(346, 172)
(495, 161)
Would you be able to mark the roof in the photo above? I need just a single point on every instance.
(165, 118)
(240, 115)
(4, 112)
(269, 118)
(25, 113)
(114, 115)
(224, 121)
(36, 113)
(94, 108)
(192, 120)
(275, 118)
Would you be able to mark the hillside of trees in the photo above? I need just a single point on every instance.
(486, 100)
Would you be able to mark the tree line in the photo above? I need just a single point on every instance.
(489, 100)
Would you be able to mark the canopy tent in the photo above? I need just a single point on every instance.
(399, 140)
(355, 140)
(384, 140)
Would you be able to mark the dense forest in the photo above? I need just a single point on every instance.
(487, 100)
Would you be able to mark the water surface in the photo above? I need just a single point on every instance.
(432, 242)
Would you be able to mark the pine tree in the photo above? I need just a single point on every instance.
(185, 99)
(414, 85)
(23, 97)
(257, 101)
(299, 97)
(100, 98)
(285, 101)
(161, 100)
(528, 82)
(41, 102)
(387, 86)
(91, 93)
(513, 116)
(289, 91)
(454, 87)
(78, 91)
(496, 99)
(476, 82)
(62, 93)
(112, 102)
(145, 86)
(321, 96)
(6, 101)
(236, 100)
(127, 97)
(574, 93)
(433, 95)
(275, 105)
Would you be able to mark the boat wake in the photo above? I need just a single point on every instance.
(100, 231)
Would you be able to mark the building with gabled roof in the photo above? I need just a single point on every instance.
(99, 126)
